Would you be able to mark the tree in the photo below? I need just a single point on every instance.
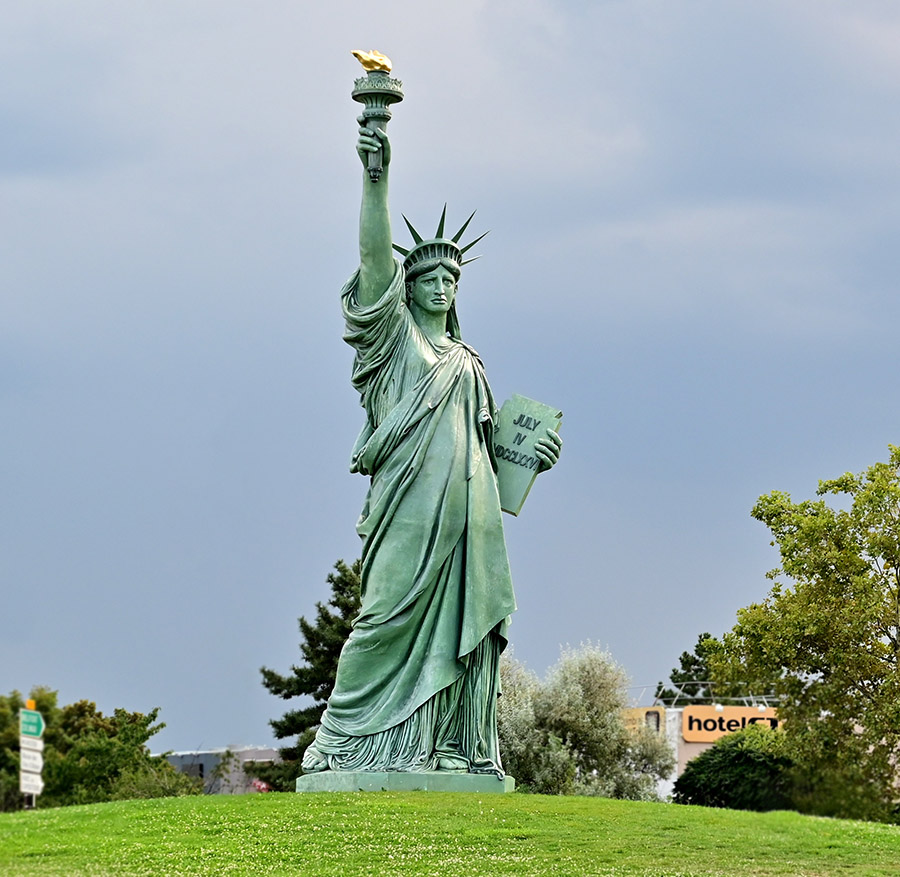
(828, 638)
(692, 681)
(320, 646)
(747, 770)
(88, 757)
(566, 734)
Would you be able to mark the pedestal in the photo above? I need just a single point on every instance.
(399, 781)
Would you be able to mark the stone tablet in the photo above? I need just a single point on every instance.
(522, 422)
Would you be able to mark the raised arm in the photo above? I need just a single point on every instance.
(376, 261)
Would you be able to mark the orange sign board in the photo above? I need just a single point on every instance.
(703, 724)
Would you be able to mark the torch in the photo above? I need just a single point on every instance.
(376, 91)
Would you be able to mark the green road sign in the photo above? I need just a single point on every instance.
(31, 723)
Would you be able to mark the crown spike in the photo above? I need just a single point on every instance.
(431, 250)
(462, 231)
(473, 259)
(416, 236)
(468, 247)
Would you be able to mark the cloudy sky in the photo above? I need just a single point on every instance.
(694, 212)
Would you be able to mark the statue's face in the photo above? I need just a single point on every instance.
(434, 292)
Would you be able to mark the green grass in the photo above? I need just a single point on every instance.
(429, 833)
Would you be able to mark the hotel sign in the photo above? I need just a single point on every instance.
(704, 724)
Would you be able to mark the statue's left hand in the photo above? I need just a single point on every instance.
(548, 449)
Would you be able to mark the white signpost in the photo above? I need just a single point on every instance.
(30, 783)
(31, 761)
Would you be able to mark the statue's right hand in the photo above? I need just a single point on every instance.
(371, 140)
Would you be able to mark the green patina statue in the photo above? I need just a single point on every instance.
(418, 678)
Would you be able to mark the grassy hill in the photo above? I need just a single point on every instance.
(427, 833)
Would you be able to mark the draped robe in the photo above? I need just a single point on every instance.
(418, 677)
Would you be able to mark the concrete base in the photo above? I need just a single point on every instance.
(399, 781)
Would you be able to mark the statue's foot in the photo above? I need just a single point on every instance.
(452, 762)
(313, 760)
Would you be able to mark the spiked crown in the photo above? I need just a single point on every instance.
(436, 248)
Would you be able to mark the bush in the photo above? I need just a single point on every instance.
(747, 770)
(153, 779)
(538, 760)
(566, 735)
(833, 775)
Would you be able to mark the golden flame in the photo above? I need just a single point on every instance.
(372, 60)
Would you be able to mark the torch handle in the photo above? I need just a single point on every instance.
(379, 120)
(377, 91)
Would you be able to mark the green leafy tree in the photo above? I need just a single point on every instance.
(750, 769)
(320, 646)
(828, 638)
(88, 757)
(691, 679)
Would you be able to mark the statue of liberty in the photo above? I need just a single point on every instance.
(418, 678)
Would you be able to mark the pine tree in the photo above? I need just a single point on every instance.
(321, 643)
(692, 680)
